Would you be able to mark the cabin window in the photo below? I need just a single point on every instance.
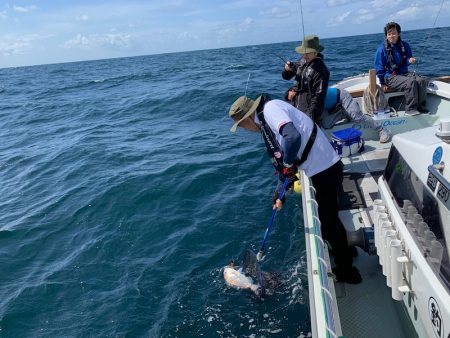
(427, 228)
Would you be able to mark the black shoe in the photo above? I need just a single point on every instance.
(347, 275)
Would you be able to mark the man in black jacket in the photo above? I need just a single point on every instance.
(311, 75)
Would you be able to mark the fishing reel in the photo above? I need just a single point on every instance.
(292, 65)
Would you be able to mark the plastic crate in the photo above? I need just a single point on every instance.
(347, 142)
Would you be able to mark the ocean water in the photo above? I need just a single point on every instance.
(123, 194)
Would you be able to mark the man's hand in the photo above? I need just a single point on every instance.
(412, 60)
(289, 66)
(277, 203)
(290, 173)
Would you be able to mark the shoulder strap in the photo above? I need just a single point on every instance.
(308, 146)
(391, 58)
(272, 145)
(274, 148)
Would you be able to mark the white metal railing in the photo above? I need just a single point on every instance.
(320, 297)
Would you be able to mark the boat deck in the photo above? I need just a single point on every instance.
(367, 309)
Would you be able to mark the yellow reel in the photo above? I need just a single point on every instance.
(298, 185)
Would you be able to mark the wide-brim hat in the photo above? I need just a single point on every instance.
(244, 107)
(310, 45)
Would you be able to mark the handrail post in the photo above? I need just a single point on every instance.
(372, 81)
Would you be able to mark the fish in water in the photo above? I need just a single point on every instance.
(235, 278)
(250, 271)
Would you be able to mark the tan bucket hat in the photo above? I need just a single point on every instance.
(310, 45)
(242, 108)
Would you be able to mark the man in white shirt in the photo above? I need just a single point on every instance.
(303, 145)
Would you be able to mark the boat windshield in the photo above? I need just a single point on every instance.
(421, 213)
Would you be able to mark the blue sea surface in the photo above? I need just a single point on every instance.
(123, 194)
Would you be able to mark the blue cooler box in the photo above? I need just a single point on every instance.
(347, 142)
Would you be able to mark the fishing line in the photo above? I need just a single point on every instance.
(246, 85)
(302, 32)
(416, 65)
(303, 25)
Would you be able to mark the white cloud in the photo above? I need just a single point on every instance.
(17, 45)
(27, 9)
(187, 36)
(14, 48)
(98, 40)
(245, 25)
(380, 4)
(247, 21)
(226, 32)
(409, 13)
(276, 12)
(83, 17)
(333, 3)
(142, 27)
(339, 19)
(364, 16)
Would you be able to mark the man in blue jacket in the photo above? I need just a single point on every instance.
(392, 59)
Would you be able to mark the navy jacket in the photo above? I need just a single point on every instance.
(384, 68)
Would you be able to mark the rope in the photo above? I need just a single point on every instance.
(373, 102)
(369, 101)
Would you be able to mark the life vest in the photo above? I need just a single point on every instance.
(272, 145)
(390, 56)
(304, 78)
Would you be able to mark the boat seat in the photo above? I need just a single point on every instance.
(389, 93)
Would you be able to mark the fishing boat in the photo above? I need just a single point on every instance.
(396, 210)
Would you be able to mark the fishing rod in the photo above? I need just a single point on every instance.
(303, 25)
(272, 218)
(282, 59)
(288, 63)
(416, 65)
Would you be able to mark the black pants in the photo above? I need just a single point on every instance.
(413, 86)
(328, 184)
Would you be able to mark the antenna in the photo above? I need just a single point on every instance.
(246, 86)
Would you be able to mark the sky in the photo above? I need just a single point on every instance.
(54, 31)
